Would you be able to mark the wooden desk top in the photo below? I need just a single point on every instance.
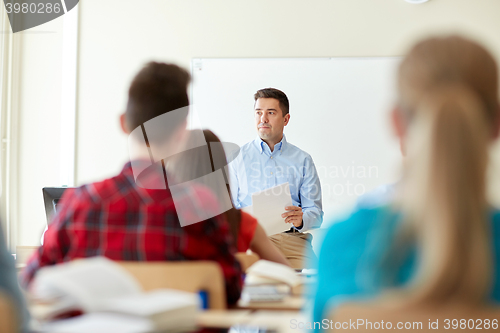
(290, 303)
(280, 321)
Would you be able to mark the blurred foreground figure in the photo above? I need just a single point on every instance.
(438, 241)
(134, 215)
(9, 285)
(196, 164)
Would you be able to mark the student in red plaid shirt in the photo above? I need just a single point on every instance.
(133, 217)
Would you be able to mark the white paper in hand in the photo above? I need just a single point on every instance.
(268, 205)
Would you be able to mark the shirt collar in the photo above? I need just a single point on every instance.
(280, 146)
(141, 173)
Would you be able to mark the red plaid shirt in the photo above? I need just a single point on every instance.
(122, 221)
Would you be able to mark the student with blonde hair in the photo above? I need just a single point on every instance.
(438, 241)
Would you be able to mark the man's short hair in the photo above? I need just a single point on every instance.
(158, 88)
(276, 94)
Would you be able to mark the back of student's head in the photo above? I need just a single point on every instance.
(449, 105)
(441, 61)
(158, 88)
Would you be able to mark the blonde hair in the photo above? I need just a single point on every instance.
(448, 98)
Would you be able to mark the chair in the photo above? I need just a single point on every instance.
(246, 259)
(422, 318)
(191, 276)
(23, 253)
(8, 316)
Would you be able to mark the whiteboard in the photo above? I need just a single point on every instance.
(339, 114)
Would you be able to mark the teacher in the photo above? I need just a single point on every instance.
(270, 160)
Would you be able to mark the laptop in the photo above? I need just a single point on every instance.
(51, 198)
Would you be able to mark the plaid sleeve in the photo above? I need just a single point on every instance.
(56, 240)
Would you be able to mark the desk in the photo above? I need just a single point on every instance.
(281, 321)
(270, 316)
(277, 316)
(290, 303)
(23, 253)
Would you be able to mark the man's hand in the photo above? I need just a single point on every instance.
(293, 216)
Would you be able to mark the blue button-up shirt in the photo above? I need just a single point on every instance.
(256, 168)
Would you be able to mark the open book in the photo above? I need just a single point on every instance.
(269, 281)
(99, 285)
(268, 272)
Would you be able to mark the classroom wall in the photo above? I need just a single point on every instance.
(118, 36)
(39, 126)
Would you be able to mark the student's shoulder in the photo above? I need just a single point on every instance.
(248, 219)
(105, 190)
(380, 195)
(495, 220)
(362, 222)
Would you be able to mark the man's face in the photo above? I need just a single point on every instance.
(269, 120)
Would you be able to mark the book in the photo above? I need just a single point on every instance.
(267, 281)
(98, 323)
(99, 285)
(264, 293)
(268, 272)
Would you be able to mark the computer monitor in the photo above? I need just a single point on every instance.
(51, 197)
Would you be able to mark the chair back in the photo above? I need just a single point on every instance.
(368, 316)
(246, 259)
(8, 317)
(23, 253)
(191, 276)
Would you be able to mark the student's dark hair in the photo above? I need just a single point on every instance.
(233, 215)
(276, 94)
(158, 88)
(200, 161)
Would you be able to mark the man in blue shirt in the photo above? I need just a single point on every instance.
(270, 160)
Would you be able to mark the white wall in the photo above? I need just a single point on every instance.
(39, 120)
(118, 36)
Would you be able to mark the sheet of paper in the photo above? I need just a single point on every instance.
(268, 205)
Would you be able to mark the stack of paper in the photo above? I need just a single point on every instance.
(268, 205)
